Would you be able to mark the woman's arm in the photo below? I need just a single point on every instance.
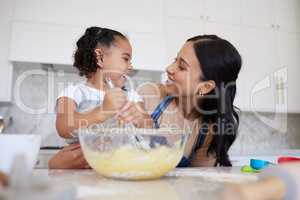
(70, 157)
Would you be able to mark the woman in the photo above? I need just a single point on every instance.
(198, 95)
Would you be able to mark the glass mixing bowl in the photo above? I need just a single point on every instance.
(132, 153)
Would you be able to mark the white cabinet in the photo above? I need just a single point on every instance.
(43, 43)
(149, 51)
(228, 11)
(193, 9)
(178, 31)
(6, 12)
(283, 14)
(266, 33)
(210, 10)
(185, 19)
(49, 43)
(288, 53)
(133, 15)
(288, 15)
(273, 45)
(45, 37)
(256, 90)
(258, 13)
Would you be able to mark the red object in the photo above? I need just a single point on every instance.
(286, 159)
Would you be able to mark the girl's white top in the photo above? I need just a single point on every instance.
(88, 98)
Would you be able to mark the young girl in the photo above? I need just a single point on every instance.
(102, 54)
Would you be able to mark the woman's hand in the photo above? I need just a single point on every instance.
(135, 113)
(70, 157)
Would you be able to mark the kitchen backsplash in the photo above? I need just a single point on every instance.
(40, 84)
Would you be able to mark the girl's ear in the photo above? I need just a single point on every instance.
(99, 56)
(206, 87)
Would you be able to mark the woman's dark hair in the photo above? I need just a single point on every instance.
(221, 62)
(85, 59)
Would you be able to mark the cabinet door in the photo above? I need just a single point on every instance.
(178, 31)
(228, 11)
(256, 80)
(134, 15)
(148, 50)
(234, 35)
(258, 13)
(6, 12)
(288, 52)
(194, 9)
(228, 32)
(288, 15)
(43, 43)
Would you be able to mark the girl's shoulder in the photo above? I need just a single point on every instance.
(80, 91)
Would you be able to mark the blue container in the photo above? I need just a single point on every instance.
(258, 164)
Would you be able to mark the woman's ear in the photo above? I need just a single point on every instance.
(206, 87)
(99, 56)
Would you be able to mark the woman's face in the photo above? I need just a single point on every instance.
(117, 61)
(184, 74)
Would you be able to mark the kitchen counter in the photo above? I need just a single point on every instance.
(181, 184)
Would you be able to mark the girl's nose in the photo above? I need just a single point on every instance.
(171, 69)
(130, 67)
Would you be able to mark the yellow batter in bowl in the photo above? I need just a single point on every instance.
(130, 163)
(134, 154)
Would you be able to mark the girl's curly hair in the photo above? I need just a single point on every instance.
(85, 59)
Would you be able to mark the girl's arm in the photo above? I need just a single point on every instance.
(68, 119)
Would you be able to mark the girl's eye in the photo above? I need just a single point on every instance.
(126, 59)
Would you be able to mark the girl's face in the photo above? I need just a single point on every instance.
(116, 61)
(184, 74)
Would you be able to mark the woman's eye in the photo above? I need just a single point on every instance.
(126, 59)
(180, 67)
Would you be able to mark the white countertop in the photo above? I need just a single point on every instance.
(183, 183)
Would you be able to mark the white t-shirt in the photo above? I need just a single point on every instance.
(87, 98)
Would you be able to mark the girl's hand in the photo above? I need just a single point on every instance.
(114, 100)
(70, 157)
(135, 113)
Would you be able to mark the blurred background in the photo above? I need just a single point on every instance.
(37, 42)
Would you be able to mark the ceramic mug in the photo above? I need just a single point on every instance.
(12, 145)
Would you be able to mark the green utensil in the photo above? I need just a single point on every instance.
(249, 169)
